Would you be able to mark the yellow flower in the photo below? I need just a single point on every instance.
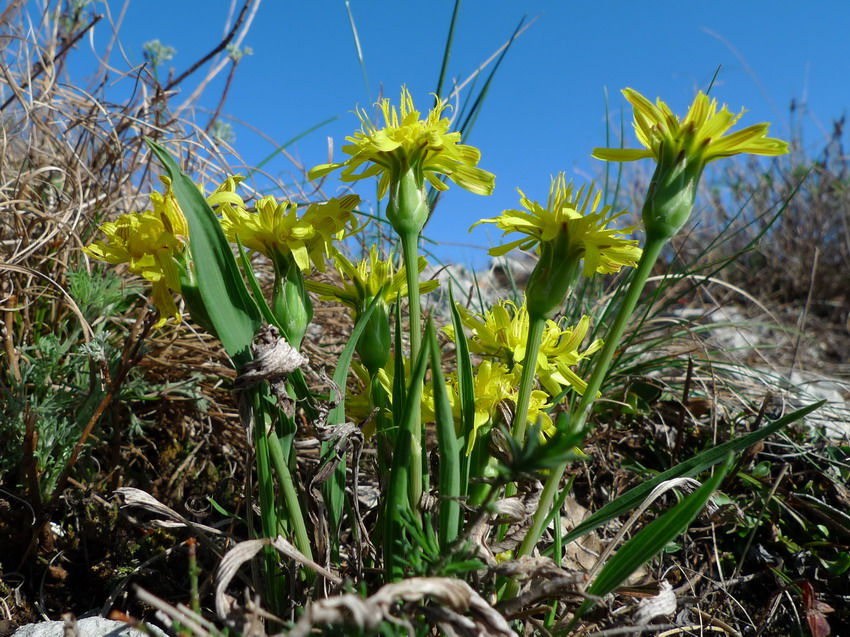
(359, 403)
(361, 284)
(495, 391)
(406, 141)
(682, 148)
(502, 333)
(362, 281)
(154, 243)
(276, 229)
(700, 134)
(574, 223)
(560, 349)
(147, 245)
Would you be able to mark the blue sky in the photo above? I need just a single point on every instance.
(546, 109)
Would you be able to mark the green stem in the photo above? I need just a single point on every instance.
(410, 247)
(529, 373)
(290, 496)
(268, 513)
(651, 251)
(383, 435)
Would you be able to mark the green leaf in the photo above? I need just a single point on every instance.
(259, 298)
(451, 454)
(334, 488)
(399, 389)
(232, 311)
(337, 414)
(465, 387)
(653, 538)
(688, 468)
(397, 502)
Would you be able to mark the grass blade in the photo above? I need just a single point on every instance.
(334, 488)
(466, 391)
(399, 389)
(398, 501)
(447, 51)
(337, 414)
(288, 143)
(651, 539)
(688, 468)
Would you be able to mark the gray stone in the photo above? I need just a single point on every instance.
(87, 627)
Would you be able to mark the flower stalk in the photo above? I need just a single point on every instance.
(528, 376)
(410, 251)
(578, 416)
(681, 149)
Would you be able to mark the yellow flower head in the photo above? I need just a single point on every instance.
(276, 229)
(502, 333)
(406, 141)
(573, 223)
(147, 245)
(495, 389)
(363, 281)
(154, 243)
(700, 134)
(681, 149)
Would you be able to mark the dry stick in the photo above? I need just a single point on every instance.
(29, 465)
(223, 99)
(805, 312)
(10, 11)
(128, 358)
(8, 339)
(38, 69)
(218, 49)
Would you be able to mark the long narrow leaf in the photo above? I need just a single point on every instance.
(688, 468)
(466, 392)
(284, 145)
(397, 500)
(447, 50)
(652, 538)
(232, 311)
(399, 389)
(259, 298)
(451, 454)
(334, 488)
(337, 414)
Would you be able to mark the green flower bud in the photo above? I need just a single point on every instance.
(291, 303)
(375, 342)
(552, 278)
(672, 191)
(407, 209)
(192, 296)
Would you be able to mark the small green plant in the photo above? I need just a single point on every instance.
(60, 385)
(508, 406)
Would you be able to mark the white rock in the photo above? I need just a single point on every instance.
(87, 627)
